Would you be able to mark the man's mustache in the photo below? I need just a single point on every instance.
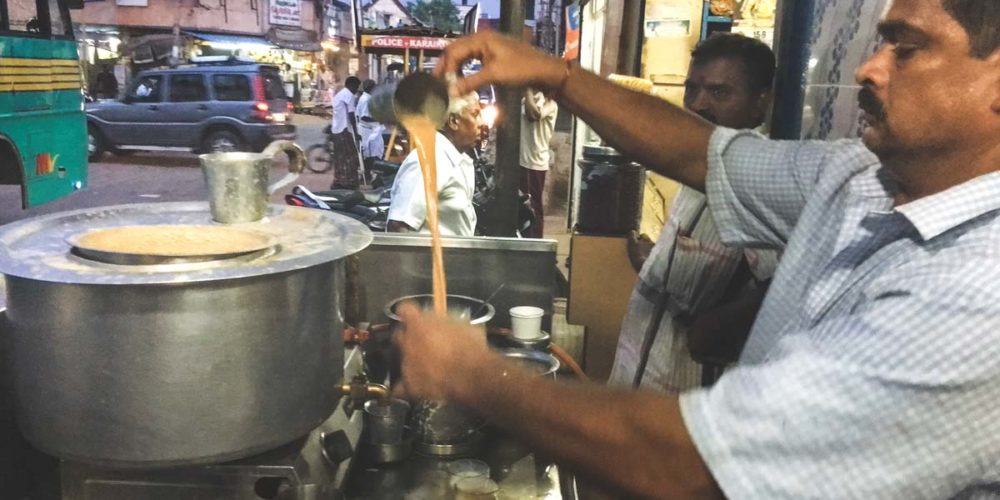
(870, 104)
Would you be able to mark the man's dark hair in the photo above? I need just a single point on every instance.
(756, 56)
(352, 83)
(981, 21)
(368, 85)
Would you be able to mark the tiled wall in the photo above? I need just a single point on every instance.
(843, 36)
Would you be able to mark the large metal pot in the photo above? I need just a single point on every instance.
(174, 364)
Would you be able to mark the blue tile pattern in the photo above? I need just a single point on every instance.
(843, 36)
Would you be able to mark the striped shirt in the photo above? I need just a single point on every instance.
(687, 272)
(873, 369)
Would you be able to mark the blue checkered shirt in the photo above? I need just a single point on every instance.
(873, 370)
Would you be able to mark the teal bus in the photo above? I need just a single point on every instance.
(43, 130)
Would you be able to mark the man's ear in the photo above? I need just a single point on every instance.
(994, 61)
(453, 122)
(763, 104)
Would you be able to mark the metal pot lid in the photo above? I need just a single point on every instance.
(40, 247)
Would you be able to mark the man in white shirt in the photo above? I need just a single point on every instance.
(346, 165)
(366, 124)
(538, 121)
(456, 181)
(373, 147)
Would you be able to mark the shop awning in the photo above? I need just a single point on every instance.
(233, 40)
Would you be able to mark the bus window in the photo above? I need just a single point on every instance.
(59, 17)
(22, 15)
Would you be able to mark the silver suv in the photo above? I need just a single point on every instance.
(222, 106)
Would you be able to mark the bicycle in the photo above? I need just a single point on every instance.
(319, 156)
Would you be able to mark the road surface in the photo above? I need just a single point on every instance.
(155, 177)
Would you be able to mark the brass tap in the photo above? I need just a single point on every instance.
(360, 390)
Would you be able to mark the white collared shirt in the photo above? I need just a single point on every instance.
(365, 128)
(456, 186)
(343, 105)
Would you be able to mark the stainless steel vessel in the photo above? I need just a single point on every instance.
(174, 364)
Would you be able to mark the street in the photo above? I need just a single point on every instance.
(156, 177)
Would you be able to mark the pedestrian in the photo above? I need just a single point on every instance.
(106, 85)
(366, 124)
(538, 122)
(345, 145)
(873, 367)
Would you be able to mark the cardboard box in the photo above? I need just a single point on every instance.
(601, 279)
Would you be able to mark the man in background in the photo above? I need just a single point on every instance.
(538, 122)
(369, 130)
(456, 177)
(690, 272)
(344, 156)
(106, 85)
(366, 124)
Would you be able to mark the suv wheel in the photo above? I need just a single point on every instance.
(95, 146)
(222, 141)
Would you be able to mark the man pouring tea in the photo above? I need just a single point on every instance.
(873, 367)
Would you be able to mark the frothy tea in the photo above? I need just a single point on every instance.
(423, 133)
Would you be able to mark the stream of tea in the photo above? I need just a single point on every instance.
(423, 134)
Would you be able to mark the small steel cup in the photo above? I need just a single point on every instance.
(385, 421)
(237, 182)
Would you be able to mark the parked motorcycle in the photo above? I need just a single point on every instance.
(372, 206)
(369, 207)
(484, 199)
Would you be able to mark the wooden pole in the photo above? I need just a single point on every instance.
(420, 61)
(392, 144)
(406, 61)
(503, 220)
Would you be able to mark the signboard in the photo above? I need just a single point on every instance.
(131, 3)
(404, 42)
(294, 38)
(572, 32)
(762, 33)
(285, 13)
(666, 20)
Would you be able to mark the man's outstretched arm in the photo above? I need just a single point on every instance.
(633, 441)
(648, 129)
